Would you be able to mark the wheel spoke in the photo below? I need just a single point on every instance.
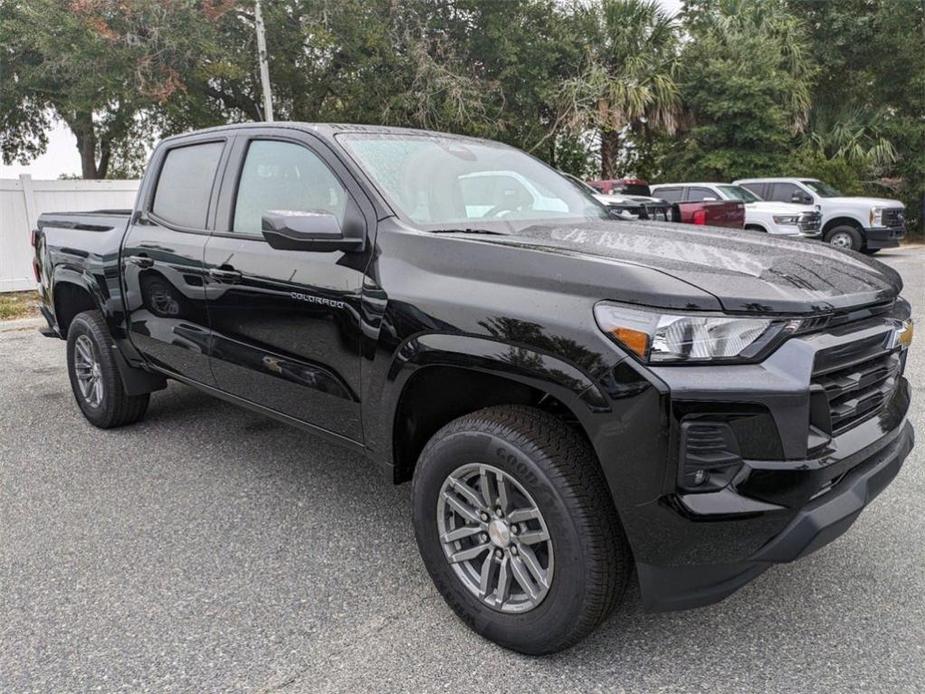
(466, 491)
(533, 566)
(485, 574)
(502, 590)
(462, 509)
(469, 553)
(503, 500)
(521, 515)
(520, 575)
(460, 533)
(485, 484)
(97, 391)
(531, 537)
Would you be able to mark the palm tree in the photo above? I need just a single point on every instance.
(628, 77)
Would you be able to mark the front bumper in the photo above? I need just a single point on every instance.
(884, 237)
(814, 433)
(819, 522)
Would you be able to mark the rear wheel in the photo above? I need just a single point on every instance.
(94, 375)
(846, 237)
(515, 524)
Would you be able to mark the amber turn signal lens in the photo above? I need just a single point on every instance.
(905, 335)
(634, 340)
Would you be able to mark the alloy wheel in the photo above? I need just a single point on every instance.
(88, 371)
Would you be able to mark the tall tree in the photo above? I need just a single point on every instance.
(100, 66)
(746, 85)
(628, 76)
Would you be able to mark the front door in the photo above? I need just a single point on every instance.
(285, 323)
(162, 261)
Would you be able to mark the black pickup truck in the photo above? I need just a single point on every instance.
(574, 397)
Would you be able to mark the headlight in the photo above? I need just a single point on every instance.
(876, 216)
(787, 219)
(662, 337)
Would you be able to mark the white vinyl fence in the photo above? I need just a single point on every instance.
(22, 200)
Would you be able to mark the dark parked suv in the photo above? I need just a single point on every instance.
(571, 396)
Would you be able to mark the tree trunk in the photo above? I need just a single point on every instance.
(82, 127)
(610, 151)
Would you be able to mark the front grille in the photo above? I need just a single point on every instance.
(810, 222)
(893, 217)
(857, 382)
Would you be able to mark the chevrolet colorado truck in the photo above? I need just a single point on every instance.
(575, 399)
(859, 223)
(776, 218)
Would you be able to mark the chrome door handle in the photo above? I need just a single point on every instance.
(141, 261)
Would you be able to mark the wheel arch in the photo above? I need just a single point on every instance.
(433, 384)
(72, 293)
(842, 221)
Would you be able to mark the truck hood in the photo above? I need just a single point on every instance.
(744, 271)
(863, 203)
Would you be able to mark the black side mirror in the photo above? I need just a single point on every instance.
(291, 230)
(801, 198)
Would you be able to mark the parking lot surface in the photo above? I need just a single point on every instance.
(211, 549)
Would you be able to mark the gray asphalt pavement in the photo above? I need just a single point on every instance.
(211, 549)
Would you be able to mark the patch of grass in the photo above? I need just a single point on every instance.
(15, 305)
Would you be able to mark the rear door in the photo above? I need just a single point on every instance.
(286, 323)
(162, 257)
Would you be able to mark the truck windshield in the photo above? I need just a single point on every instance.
(822, 189)
(739, 193)
(441, 182)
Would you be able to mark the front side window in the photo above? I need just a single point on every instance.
(444, 182)
(739, 193)
(758, 189)
(184, 184)
(284, 176)
(822, 189)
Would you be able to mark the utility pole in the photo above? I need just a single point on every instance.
(264, 67)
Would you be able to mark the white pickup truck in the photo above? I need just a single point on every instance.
(781, 218)
(859, 223)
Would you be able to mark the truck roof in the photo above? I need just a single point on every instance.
(776, 179)
(689, 183)
(328, 130)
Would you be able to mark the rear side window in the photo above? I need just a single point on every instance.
(784, 192)
(185, 184)
(670, 194)
(287, 177)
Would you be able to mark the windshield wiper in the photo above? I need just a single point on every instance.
(470, 230)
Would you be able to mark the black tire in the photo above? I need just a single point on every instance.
(755, 227)
(845, 236)
(114, 408)
(558, 468)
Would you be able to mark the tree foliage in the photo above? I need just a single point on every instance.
(727, 88)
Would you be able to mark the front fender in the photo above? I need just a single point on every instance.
(528, 366)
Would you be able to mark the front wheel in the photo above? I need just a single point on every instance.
(845, 237)
(517, 529)
(94, 375)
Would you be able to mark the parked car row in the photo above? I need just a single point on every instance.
(805, 207)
